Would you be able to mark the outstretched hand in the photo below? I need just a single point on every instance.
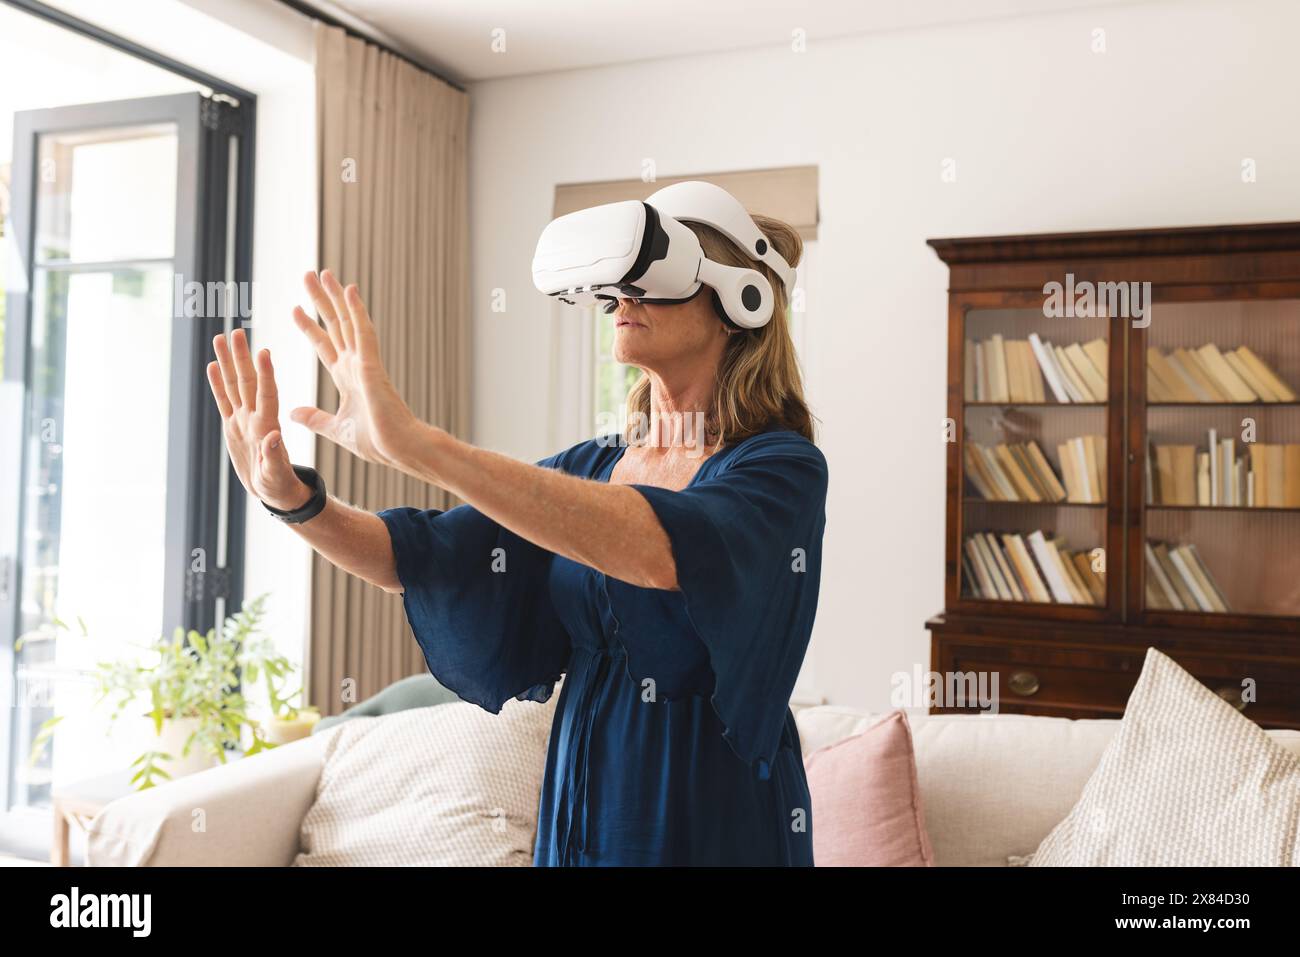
(250, 419)
(371, 421)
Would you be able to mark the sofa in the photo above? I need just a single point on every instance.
(992, 787)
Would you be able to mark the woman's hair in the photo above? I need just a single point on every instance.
(759, 385)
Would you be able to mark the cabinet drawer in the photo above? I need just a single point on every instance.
(1078, 681)
(1051, 684)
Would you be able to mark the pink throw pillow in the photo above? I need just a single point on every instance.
(866, 806)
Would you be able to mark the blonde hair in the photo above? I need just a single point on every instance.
(759, 386)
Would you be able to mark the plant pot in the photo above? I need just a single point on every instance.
(175, 732)
(284, 730)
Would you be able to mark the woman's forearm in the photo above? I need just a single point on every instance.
(355, 540)
(610, 528)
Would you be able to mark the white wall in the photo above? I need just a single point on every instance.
(1047, 135)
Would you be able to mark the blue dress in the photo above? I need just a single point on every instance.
(673, 741)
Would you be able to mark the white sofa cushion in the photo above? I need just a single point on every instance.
(993, 786)
(448, 785)
(1187, 781)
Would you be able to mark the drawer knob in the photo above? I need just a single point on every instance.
(1023, 682)
(1232, 695)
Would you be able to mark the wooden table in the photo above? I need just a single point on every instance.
(78, 803)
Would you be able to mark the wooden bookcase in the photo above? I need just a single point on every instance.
(1231, 286)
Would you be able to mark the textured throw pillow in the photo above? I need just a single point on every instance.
(448, 785)
(1187, 781)
(865, 801)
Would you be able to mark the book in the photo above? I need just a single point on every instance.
(1265, 374)
(1047, 364)
(1259, 468)
(1185, 596)
(1228, 473)
(1156, 573)
(1197, 576)
(1214, 592)
(1174, 384)
(1007, 491)
(969, 581)
(1017, 385)
(1083, 468)
(1026, 466)
(998, 583)
(1208, 374)
(1011, 472)
(1228, 382)
(996, 358)
(1216, 488)
(974, 472)
(1291, 481)
(1185, 474)
(976, 560)
(1275, 461)
(1258, 385)
(1096, 584)
(1056, 492)
(1073, 384)
(1003, 567)
(1013, 566)
(1187, 363)
(1166, 486)
(1087, 372)
(1191, 580)
(1034, 586)
(1099, 354)
(1080, 591)
(1044, 553)
(1092, 462)
(1025, 491)
(1035, 374)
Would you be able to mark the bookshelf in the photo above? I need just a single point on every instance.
(1124, 466)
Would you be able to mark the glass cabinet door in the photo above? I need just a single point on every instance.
(1034, 449)
(1221, 467)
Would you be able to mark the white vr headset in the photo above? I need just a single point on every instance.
(641, 250)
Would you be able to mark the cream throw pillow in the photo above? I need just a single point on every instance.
(448, 785)
(1187, 781)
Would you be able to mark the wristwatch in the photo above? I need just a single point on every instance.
(312, 507)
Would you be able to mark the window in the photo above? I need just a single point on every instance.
(127, 204)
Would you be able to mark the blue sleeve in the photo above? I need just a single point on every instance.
(747, 544)
(478, 601)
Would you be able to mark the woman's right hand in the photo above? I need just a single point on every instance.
(250, 416)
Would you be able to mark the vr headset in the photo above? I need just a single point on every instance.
(641, 250)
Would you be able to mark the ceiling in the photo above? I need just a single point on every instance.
(455, 38)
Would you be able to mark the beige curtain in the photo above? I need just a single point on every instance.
(787, 193)
(391, 143)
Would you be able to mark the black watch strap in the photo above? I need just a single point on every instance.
(312, 507)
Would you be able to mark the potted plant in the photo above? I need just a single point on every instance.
(286, 722)
(195, 706)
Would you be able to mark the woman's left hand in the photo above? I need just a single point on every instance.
(372, 421)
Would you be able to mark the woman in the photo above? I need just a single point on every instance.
(673, 585)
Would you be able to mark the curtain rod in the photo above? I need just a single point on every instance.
(308, 10)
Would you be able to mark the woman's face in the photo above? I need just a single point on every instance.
(657, 337)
